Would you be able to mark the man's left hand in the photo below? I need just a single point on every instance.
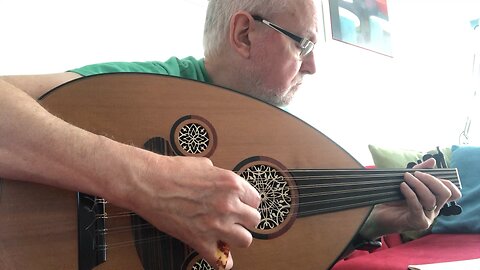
(424, 195)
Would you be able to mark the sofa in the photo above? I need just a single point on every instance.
(450, 238)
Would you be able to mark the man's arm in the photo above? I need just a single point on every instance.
(36, 85)
(215, 203)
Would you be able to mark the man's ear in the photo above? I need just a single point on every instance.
(241, 25)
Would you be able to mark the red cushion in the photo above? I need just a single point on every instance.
(428, 249)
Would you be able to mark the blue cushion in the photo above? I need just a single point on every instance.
(467, 160)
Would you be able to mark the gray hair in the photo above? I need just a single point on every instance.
(218, 16)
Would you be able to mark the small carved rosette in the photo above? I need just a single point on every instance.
(193, 135)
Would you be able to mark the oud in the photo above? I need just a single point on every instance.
(315, 196)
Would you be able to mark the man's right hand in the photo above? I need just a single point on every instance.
(198, 203)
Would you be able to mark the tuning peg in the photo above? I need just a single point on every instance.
(451, 209)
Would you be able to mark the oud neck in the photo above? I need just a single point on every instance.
(323, 191)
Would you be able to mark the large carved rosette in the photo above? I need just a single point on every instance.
(279, 199)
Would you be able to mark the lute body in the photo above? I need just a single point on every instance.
(39, 227)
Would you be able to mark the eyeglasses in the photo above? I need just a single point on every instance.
(306, 46)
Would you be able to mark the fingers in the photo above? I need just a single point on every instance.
(249, 217)
(427, 164)
(243, 216)
(239, 236)
(431, 192)
(240, 203)
(456, 194)
(250, 195)
(249, 199)
(413, 203)
(426, 197)
(237, 213)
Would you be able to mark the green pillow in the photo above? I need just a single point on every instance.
(386, 158)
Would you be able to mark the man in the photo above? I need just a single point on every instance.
(243, 51)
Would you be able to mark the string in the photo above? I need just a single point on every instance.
(342, 183)
(320, 193)
(165, 236)
(365, 174)
(449, 175)
(326, 193)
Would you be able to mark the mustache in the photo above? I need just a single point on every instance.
(298, 80)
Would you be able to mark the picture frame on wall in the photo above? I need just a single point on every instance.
(362, 23)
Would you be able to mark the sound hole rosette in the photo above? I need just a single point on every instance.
(193, 135)
(279, 195)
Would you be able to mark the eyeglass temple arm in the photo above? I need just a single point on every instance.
(278, 28)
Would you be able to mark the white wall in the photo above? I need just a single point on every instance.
(56, 35)
(415, 99)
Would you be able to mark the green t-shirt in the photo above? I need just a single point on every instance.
(188, 67)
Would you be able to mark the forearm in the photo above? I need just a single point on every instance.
(39, 147)
(371, 229)
(382, 220)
